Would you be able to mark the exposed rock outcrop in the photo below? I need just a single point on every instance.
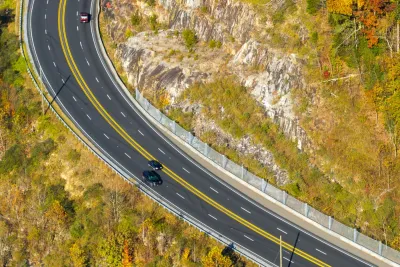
(160, 61)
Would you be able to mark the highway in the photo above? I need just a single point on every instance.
(67, 53)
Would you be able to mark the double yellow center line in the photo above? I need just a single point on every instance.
(81, 82)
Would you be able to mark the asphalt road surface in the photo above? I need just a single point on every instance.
(65, 51)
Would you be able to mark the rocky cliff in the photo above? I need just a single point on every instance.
(156, 58)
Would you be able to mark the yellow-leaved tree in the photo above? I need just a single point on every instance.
(215, 258)
(344, 7)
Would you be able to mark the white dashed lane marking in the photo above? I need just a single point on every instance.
(127, 155)
(88, 117)
(87, 62)
(109, 97)
(45, 31)
(81, 45)
(76, 13)
(48, 47)
(214, 190)
(180, 196)
(45, 16)
(97, 80)
(245, 210)
(63, 81)
(320, 251)
(74, 98)
(248, 238)
(140, 132)
(282, 231)
(288, 259)
(77, 28)
(185, 170)
(106, 136)
(162, 151)
(212, 217)
(123, 115)
(54, 64)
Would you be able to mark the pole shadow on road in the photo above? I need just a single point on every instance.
(58, 92)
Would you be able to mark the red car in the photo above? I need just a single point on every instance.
(84, 17)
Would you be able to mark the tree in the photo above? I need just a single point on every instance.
(126, 255)
(369, 15)
(190, 38)
(215, 258)
(344, 7)
(77, 255)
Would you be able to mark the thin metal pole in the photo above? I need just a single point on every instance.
(41, 81)
(280, 251)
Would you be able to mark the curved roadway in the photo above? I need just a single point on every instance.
(67, 53)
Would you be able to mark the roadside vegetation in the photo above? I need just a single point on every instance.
(61, 206)
(349, 108)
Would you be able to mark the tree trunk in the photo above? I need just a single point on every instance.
(398, 36)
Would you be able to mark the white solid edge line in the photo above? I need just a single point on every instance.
(234, 190)
(211, 175)
(91, 139)
(66, 110)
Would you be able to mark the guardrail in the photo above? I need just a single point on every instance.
(262, 185)
(131, 179)
(325, 222)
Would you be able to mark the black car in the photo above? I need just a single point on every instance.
(155, 165)
(151, 178)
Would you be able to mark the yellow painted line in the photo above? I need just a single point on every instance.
(81, 82)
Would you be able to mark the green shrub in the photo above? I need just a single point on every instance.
(153, 22)
(42, 150)
(214, 44)
(204, 9)
(13, 158)
(74, 155)
(190, 38)
(136, 19)
(313, 6)
(151, 3)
